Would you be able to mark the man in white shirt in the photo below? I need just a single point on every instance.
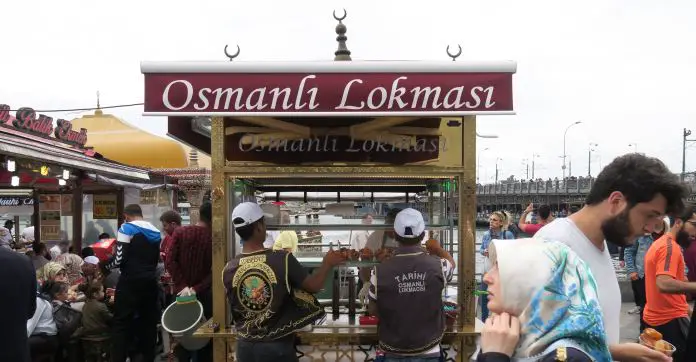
(627, 198)
(28, 234)
(60, 248)
(359, 239)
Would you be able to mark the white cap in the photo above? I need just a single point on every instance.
(92, 260)
(409, 223)
(246, 213)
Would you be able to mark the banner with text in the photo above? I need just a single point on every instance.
(379, 88)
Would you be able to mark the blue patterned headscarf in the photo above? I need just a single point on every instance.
(554, 295)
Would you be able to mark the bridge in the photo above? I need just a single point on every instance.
(514, 195)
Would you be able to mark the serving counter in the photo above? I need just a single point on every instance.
(343, 340)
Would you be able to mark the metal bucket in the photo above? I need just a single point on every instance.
(181, 320)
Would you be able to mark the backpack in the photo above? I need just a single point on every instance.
(68, 320)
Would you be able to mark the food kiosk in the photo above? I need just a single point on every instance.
(281, 132)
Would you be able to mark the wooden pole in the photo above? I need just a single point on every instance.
(77, 216)
(220, 216)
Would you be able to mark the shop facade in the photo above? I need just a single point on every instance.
(50, 179)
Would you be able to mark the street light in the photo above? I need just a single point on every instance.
(564, 146)
(486, 135)
(590, 148)
(478, 163)
(687, 133)
(525, 162)
(496, 169)
(635, 146)
(534, 157)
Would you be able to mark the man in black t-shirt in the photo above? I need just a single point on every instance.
(269, 292)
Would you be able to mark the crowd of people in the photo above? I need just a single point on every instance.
(557, 294)
(69, 307)
(552, 297)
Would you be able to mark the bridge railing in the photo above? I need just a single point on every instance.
(577, 185)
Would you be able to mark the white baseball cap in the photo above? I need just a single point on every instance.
(247, 213)
(409, 223)
(92, 260)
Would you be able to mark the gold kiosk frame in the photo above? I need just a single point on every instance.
(178, 90)
(330, 340)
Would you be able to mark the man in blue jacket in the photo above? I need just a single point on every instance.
(135, 304)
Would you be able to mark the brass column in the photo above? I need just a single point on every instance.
(466, 259)
(220, 215)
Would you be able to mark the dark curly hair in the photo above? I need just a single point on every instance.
(639, 178)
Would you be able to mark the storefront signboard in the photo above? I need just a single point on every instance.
(27, 120)
(328, 88)
(16, 201)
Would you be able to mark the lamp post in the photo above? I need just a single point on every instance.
(564, 145)
(486, 135)
(525, 162)
(478, 164)
(534, 157)
(590, 148)
(687, 133)
(496, 169)
(635, 146)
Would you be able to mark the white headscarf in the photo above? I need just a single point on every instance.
(553, 293)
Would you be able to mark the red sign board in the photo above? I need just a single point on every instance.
(27, 120)
(336, 88)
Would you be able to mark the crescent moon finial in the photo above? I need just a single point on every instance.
(345, 14)
(232, 56)
(456, 55)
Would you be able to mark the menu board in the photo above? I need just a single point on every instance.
(66, 207)
(50, 232)
(50, 225)
(104, 207)
(49, 202)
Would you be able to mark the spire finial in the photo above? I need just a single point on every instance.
(455, 55)
(193, 158)
(98, 111)
(232, 56)
(342, 53)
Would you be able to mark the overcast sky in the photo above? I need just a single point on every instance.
(626, 69)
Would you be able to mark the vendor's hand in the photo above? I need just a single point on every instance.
(333, 258)
(186, 292)
(500, 334)
(633, 276)
(363, 294)
(634, 352)
(485, 253)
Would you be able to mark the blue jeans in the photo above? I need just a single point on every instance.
(282, 350)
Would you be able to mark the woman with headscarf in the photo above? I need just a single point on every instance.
(545, 303)
(73, 266)
(52, 271)
(498, 222)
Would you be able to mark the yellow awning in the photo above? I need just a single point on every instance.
(119, 141)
